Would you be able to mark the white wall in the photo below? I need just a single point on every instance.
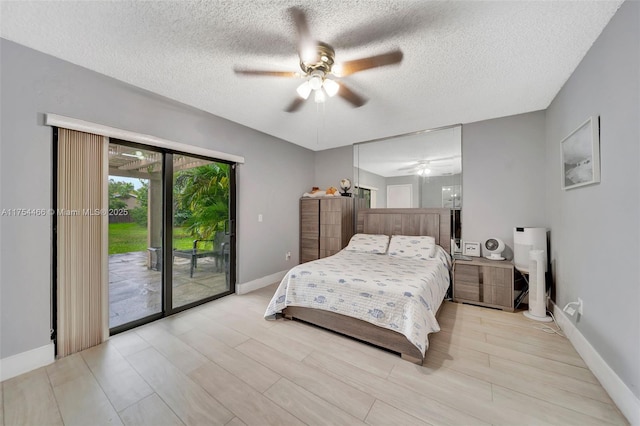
(270, 183)
(596, 229)
(503, 177)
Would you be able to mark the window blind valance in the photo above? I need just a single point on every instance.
(113, 132)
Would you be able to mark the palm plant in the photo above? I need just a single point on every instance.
(202, 199)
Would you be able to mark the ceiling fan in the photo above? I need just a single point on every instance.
(425, 167)
(320, 70)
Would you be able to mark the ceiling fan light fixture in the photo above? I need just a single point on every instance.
(315, 79)
(304, 90)
(331, 87)
(423, 171)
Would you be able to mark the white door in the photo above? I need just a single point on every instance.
(399, 196)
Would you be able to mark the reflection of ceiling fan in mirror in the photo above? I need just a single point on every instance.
(437, 166)
(320, 70)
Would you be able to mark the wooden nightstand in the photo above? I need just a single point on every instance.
(484, 282)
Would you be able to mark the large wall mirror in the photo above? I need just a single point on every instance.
(415, 170)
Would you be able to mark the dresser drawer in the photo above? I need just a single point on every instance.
(309, 243)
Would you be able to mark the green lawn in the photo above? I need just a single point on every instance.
(128, 237)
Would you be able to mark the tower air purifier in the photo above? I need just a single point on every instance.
(537, 287)
(525, 240)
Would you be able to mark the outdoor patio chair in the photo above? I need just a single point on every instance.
(194, 254)
(219, 251)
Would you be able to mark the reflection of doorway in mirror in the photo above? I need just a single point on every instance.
(369, 194)
(452, 197)
(399, 196)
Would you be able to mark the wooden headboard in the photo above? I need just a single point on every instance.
(432, 222)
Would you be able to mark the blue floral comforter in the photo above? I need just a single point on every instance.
(400, 294)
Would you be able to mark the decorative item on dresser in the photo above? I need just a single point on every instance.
(326, 225)
(483, 282)
(345, 185)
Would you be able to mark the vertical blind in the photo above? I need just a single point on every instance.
(82, 241)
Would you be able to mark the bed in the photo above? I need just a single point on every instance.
(380, 299)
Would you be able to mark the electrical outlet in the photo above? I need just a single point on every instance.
(287, 256)
(580, 306)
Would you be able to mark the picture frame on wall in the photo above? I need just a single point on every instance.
(580, 155)
(470, 248)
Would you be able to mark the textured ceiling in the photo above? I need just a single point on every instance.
(464, 61)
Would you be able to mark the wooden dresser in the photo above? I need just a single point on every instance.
(326, 225)
(484, 282)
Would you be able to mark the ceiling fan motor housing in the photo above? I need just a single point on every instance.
(322, 60)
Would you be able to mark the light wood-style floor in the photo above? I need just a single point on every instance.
(222, 363)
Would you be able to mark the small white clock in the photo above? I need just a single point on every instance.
(470, 248)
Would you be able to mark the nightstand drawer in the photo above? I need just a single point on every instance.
(483, 282)
(496, 295)
(499, 277)
(466, 291)
(467, 273)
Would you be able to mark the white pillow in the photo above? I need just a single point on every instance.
(368, 243)
(417, 247)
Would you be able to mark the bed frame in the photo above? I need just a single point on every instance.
(432, 222)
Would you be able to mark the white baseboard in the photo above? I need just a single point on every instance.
(249, 286)
(24, 362)
(619, 392)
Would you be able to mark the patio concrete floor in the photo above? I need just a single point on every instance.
(135, 290)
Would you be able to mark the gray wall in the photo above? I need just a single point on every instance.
(596, 229)
(371, 179)
(33, 83)
(331, 165)
(503, 177)
(431, 189)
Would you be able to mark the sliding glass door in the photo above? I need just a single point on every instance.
(171, 242)
(201, 230)
(135, 234)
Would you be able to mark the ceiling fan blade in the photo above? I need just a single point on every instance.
(435, 160)
(350, 96)
(429, 163)
(267, 73)
(295, 105)
(404, 21)
(302, 27)
(390, 58)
